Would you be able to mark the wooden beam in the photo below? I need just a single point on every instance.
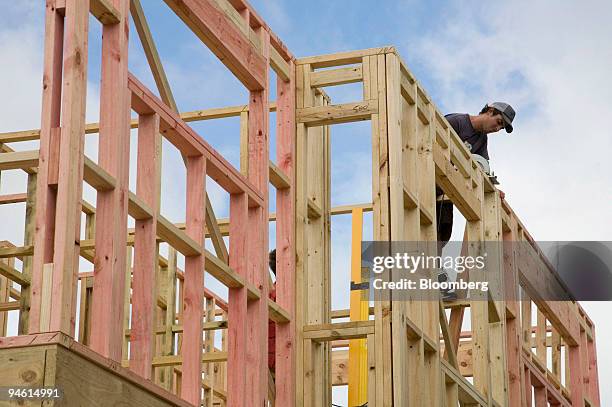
(13, 198)
(104, 11)
(469, 396)
(25, 293)
(237, 303)
(222, 272)
(224, 39)
(92, 128)
(334, 77)
(150, 50)
(285, 240)
(278, 177)
(97, 177)
(206, 326)
(280, 66)
(160, 361)
(112, 203)
(453, 185)
(69, 170)
(9, 306)
(449, 348)
(193, 297)
(16, 136)
(277, 313)
(314, 210)
(334, 114)
(49, 140)
(212, 226)
(138, 209)
(176, 238)
(343, 330)
(93, 174)
(13, 274)
(144, 280)
(538, 280)
(15, 251)
(341, 58)
(18, 160)
(257, 251)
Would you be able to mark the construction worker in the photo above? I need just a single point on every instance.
(473, 131)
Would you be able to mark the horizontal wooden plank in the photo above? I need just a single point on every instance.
(423, 113)
(344, 330)
(334, 114)
(337, 210)
(277, 313)
(177, 238)
(93, 128)
(207, 357)
(314, 210)
(6, 252)
(426, 215)
(280, 66)
(18, 160)
(278, 177)
(17, 136)
(214, 113)
(442, 137)
(342, 58)
(464, 165)
(408, 90)
(137, 209)
(14, 275)
(9, 306)
(15, 294)
(222, 272)
(346, 209)
(87, 208)
(345, 313)
(410, 200)
(218, 113)
(104, 11)
(97, 177)
(13, 198)
(334, 77)
(453, 184)
(206, 326)
(253, 292)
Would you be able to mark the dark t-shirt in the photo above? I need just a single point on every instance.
(463, 127)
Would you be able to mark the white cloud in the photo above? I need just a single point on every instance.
(550, 64)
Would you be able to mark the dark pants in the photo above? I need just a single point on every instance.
(444, 216)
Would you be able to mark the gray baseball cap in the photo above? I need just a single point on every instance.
(506, 111)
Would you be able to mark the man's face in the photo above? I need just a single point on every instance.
(493, 122)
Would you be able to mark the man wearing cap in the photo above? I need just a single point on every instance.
(473, 131)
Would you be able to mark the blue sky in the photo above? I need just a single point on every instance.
(551, 61)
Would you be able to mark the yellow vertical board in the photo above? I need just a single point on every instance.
(359, 311)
